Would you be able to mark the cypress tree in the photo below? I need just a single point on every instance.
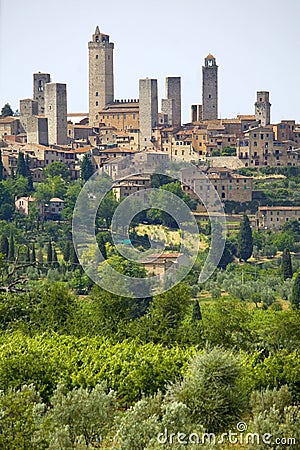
(87, 168)
(11, 248)
(286, 265)
(49, 253)
(28, 174)
(21, 166)
(102, 248)
(4, 246)
(33, 255)
(74, 262)
(1, 167)
(245, 241)
(40, 256)
(55, 260)
(66, 251)
(27, 258)
(295, 297)
(196, 312)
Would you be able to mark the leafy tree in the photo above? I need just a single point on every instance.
(212, 389)
(74, 261)
(27, 257)
(21, 416)
(21, 166)
(56, 169)
(286, 265)
(84, 413)
(87, 168)
(6, 111)
(4, 246)
(295, 297)
(245, 242)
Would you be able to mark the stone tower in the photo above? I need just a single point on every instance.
(28, 108)
(173, 92)
(101, 74)
(263, 108)
(56, 112)
(148, 111)
(210, 88)
(39, 81)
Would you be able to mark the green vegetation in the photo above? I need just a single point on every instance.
(83, 368)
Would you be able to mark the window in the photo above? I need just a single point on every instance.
(97, 94)
(261, 136)
(223, 194)
(96, 103)
(97, 56)
(255, 144)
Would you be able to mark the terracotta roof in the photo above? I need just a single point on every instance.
(9, 119)
(210, 56)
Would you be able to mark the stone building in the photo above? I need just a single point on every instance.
(263, 108)
(171, 105)
(121, 114)
(210, 88)
(39, 82)
(273, 217)
(229, 185)
(56, 112)
(37, 130)
(28, 108)
(101, 74)
(259, 148)
(148, 111)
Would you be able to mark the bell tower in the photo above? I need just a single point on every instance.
(210, 88)
(101, 74)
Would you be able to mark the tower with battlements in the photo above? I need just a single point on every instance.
(101, 74)
(210, 88)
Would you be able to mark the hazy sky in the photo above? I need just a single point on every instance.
(256, 44)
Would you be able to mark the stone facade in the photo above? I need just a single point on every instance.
(167, 109)
(229, 185)
(37, 130)
(173, 92)
(101, 74)
(56, 112)
(148, 111)
(273, 217)
(210, 88)
(121, 114)
(39, 82)
(263, 108)
(28, 108)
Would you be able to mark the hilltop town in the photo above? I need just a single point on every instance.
(46, 133)
(88, 361)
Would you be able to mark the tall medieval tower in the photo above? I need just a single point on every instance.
(101, 74)
(56, 113)
(148, 111)
(210, 89)
(263, 108)
(39, 82)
